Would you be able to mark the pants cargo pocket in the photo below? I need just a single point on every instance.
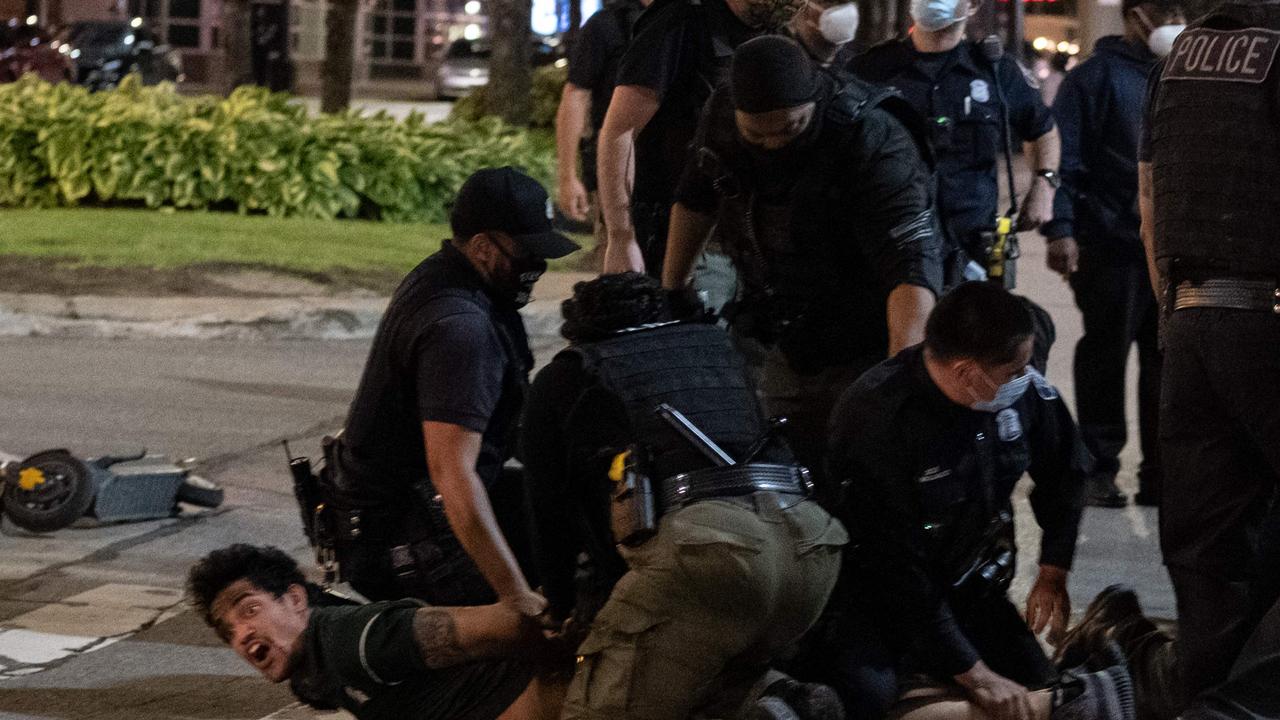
(609, 662)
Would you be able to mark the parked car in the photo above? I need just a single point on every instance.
(105, 51)
(465, 65)
(25, 47)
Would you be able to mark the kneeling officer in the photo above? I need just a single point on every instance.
(731, 563)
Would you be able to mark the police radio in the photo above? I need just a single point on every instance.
(1000, 244)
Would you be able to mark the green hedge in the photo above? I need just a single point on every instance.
(254, 151)
(548, 82)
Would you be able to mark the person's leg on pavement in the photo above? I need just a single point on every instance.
(1220, 410)
(1099, 372)
(693, 603)
(1252, 691)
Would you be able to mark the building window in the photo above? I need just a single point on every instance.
(180, 22)
(391, 31)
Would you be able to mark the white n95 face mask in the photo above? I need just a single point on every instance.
(1161, 39)
(839, 23)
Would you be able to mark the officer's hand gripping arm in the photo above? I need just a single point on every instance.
(630, 110)
(571, 122)
(452, 451)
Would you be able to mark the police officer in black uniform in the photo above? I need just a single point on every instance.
(932, 442)
(679, 54)
(972, 97)
(820, 197)
(593, 67)
(1208, 172)
(434, 417)
(729, 565)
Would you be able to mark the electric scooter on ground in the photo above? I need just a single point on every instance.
(52, 489)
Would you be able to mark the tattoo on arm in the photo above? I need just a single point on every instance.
(436, 633)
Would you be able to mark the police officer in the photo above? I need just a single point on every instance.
(1209, 165)
(969, 97)
(680, 52)
(434, 417)
(735, 562)
(820, 198)
(932, 442)
(593, 67)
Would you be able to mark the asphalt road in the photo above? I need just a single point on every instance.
(91, 619)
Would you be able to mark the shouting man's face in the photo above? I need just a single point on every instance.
(262, 628)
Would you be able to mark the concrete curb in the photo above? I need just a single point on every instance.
(219, 318)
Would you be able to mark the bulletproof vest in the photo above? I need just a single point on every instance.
(792, 266)
(1215, 143)
(692, 367)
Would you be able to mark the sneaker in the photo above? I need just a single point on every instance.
(809, 701)
(1103, 695)
(1104, 493)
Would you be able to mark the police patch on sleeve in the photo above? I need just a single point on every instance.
(1008, 425)
(1223, 55)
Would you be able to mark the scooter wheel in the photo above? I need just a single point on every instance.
(195, 490)
(53, 490)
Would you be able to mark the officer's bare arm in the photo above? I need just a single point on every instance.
(685, 241)
(449, 636)
(1044, 153)
(630, 110)
(909, 307)
(1147, 212)
(571, 122)
(452, 451)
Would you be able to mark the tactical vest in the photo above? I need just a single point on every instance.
(1215, 144)
(811, 286)
(692, 367)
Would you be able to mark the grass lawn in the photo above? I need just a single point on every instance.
(151, 239)
(347, 252)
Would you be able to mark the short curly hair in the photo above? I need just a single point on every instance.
(268, 568)
(610, 303)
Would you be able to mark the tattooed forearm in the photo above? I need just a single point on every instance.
(436, 633)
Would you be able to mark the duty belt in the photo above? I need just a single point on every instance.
(733, 480)
(1231, 293)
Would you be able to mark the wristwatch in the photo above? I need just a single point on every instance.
(1055, 180)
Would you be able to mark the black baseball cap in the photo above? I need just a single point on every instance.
(507, 200)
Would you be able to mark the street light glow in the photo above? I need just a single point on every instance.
(32, 19)
(472, 7)
(471, 32)
(1064, 46)
(136, 22)
(1041, 43)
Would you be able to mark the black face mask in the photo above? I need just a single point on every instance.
(516, 286)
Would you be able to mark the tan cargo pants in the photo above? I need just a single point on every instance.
(724, 587)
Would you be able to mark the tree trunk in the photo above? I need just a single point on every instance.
(510, 75)
(339, 55)
(237, 48)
